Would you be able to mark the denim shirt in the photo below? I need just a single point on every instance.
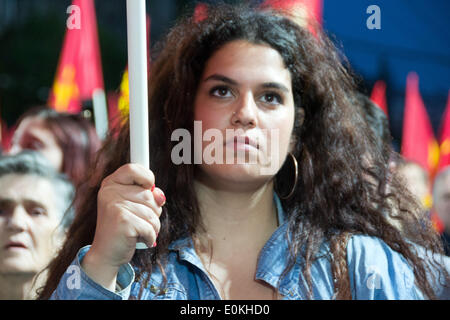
(375, 271)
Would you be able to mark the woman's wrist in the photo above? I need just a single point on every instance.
(101, 273)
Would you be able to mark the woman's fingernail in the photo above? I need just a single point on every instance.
(154, 245)
(153, 188)
(164, 199)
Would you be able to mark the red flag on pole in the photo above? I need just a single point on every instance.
(444, 156)
(307, 12)
(378, 95)
(418, 141)
(79, 72)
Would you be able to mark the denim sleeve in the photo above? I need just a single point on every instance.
(438, 279)
(75, 284)
(379, 273)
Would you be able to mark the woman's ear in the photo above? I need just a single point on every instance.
(299, 116)
(299, 119)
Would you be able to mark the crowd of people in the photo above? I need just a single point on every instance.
(340, 210)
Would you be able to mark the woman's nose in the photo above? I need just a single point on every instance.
(17, 220)
(245, 113)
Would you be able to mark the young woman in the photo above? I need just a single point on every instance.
(307, 220)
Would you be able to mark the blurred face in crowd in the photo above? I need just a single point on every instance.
(247, 89)
(417, 181)
(28, 224)
(442, 200)
(32, 134)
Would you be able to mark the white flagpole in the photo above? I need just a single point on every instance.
(137, 73)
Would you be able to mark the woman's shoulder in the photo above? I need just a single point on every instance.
(370, 248)
(374, 250)
(379, 272)
(372, 253)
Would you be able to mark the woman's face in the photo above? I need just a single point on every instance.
(32, 134)
(245, 101)
(29, 218)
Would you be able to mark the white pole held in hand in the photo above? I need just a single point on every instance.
(137, 73)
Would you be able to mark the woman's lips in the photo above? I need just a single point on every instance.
(242, 143)
(15, 245)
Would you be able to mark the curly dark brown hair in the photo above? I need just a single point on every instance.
(342, 187)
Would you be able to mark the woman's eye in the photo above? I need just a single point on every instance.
(36, 211)
(272, 98)
(221, 92)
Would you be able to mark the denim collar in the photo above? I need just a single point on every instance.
(272, 259)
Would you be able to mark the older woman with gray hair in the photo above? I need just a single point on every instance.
(35, 212)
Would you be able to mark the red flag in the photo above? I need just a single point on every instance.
(2, 134)
(378, 95)
(418, 141)
(307, 12)
(200, 12)
(5, 135)
(444, 157)
(436, 222)
(79, 71)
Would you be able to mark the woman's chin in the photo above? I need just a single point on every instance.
(240, 175)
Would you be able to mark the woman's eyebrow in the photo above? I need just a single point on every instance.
(222, 78)
(10, 203)
(34, 203)
(266, 85)
(275, 85)
(6, 202)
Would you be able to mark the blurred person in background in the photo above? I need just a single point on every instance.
(34, 216)
(441, 204)
(68, 141)
(417, 181)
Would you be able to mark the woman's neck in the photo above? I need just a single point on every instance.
(16, 287)
(236, 220)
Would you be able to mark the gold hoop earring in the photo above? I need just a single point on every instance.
(295, 178)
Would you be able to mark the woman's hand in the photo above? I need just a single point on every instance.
(128, 211)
